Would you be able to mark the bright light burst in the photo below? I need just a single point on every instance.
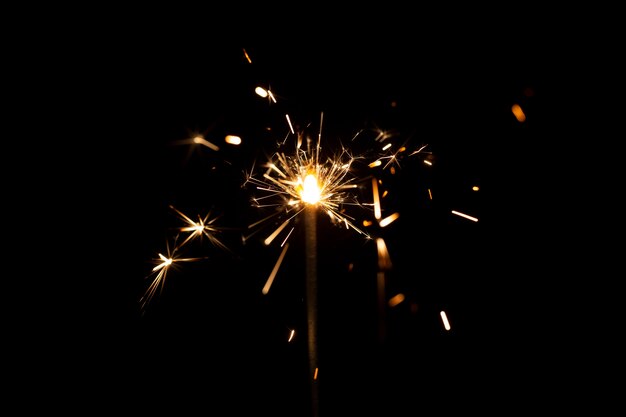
(160, 272)
(290, 182)
(203, 228)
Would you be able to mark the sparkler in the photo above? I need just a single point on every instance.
(301, 183)
(304, 182)
(296, 182)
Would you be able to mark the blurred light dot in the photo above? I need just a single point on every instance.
(518, 113)
(396, 299)
(261, 91)
(233, 140)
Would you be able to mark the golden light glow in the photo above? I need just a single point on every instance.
(310, 191)
(293, 181)
(291, 334)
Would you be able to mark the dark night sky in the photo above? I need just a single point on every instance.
(211, 339)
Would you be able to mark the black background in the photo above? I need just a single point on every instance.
(211, 341)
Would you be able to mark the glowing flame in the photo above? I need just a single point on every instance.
(310, 191)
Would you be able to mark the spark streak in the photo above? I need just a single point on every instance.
(466, 216)
(389, 219)
(270, 280)
(202, 141)
(444, 320)
(245, 53)
(159, 273)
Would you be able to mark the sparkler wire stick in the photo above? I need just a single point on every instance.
(311, 301)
